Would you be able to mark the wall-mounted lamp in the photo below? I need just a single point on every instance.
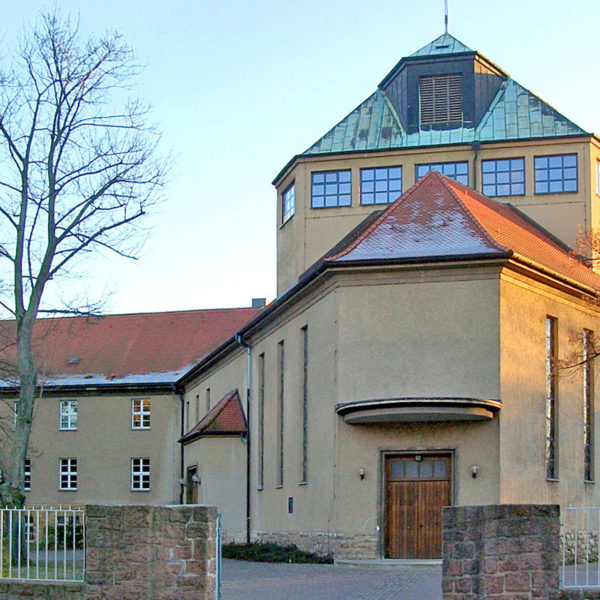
(361, 473)
(195, 480)
(474, 471)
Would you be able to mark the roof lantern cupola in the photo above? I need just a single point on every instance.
(444, 85)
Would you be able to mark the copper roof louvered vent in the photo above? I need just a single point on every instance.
(440, 99)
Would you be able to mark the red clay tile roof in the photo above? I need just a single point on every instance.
(440, 219)
(224, 418)
(125, 349)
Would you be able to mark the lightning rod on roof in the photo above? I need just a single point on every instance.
(445, 16)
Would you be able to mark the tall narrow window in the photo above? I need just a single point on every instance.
(280, 413)
(288, 203)
(305, 404)
(67, 415)
(207, 399)
(551, 401)
(261, 421)
(588, 406)
(187, 414)
(197, 415)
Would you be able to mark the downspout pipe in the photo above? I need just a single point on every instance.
(241, 342)
(181, 448)
(475, 146)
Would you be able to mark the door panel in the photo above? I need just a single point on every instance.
(417, 488)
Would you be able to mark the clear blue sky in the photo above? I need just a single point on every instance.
(239, 87)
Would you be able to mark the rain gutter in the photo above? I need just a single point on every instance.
(239, 339)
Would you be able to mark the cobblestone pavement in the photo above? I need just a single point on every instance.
(281, 581)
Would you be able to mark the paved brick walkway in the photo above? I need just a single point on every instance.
(281, 581)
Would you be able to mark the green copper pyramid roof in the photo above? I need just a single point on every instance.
(445, 44)
(513, 114)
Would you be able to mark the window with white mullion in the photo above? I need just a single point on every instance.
(67, 478)
(140, 414)
(140, 474)
(68, 415)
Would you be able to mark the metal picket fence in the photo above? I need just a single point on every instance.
(580, 553)
(42, 544)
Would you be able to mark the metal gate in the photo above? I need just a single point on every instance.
(580, 553)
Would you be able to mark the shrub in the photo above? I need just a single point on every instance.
(265, 552)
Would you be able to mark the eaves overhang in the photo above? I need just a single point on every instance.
(55, 390)
(467, 144)
(418, 409)
(187, 439)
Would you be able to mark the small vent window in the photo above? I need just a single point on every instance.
(440, 99)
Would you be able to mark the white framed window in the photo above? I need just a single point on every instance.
(67, 420)
(140, 474)
(27, 479)
(67, 474)
(288, 203)
(140, 413)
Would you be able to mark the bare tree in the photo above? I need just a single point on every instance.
(76, 176)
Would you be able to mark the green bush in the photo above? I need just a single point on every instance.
(273, 553)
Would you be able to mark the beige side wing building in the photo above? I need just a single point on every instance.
(427, 298)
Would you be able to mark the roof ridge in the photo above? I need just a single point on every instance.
(376, 223)
(446, 182)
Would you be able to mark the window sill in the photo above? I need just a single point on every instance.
(303, 483)
(138, 491)
(61, 490)
(278, 487)
(589, 481)
(553, 479)
(260, 489)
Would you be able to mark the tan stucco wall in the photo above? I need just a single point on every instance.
(522, 435)
(103, 445)
(310, 233)
(221, 466)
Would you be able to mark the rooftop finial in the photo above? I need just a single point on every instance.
(445, 16)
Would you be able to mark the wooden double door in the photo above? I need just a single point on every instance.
(417, 487)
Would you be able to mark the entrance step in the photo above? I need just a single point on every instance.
(388, 563)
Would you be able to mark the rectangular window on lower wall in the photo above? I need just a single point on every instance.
(27, 479)
(280, 412)
(261, 421)
(140, 474)
(551, 416)
(67, 474)
(588, 405)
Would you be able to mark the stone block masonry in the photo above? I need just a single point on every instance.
(501, 552)
(139, 553)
